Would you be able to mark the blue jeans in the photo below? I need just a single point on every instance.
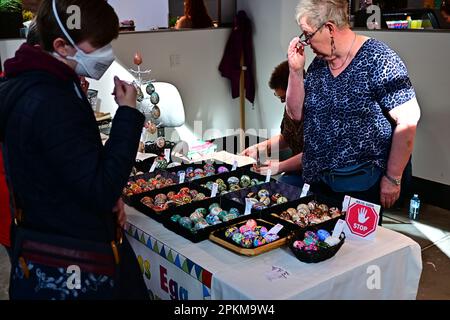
(372, 195)
(292, 179)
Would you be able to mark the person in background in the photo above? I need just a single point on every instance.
(71, 185)
(445, 10)
(195, 16)
(353, 88)
(291, 136)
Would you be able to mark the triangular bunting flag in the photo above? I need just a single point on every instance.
(177, 261)
(156, 247)
(185, 266)
(198, 272)
(170, 256)
(136, 235)
(190, 265)
(206, 292)
(149, 243)
(163, 252)
(142, 239)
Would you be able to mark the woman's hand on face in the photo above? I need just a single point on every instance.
(296, 56)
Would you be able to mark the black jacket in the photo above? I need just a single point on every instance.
(66, 181)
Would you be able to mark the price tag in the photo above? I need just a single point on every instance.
(269, 173)
(305, 190)
(275, 229)
(345, 203)
(167, 154)
(214, 189)
(235, 164)
(182, 177)
(248, 206)
(153, 167)
(340, 224)
(143, 134)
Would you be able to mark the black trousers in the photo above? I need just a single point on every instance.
(371, 195)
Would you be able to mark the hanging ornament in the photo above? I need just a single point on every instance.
(156, 112)
(154, 98)
(150, 88)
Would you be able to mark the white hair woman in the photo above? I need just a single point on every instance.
(360, 109)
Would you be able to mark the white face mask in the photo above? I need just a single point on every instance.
(92, 65)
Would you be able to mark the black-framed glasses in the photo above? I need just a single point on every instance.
(305, 39)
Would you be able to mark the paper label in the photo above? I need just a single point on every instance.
(248, 206)
(269, 173)
(305, 190)
(182, 177)
(276, 229)
(338, 228)
(277, 273)
(235, 164)
(167, 154)
(153, 167)
(345, 203)
(214, 189)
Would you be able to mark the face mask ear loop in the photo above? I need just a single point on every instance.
(61, 26)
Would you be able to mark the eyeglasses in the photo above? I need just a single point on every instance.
(305, 39)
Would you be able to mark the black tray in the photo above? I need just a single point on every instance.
(319, 255)
(218, 236)
(224, 176)
(197, 165)
(272, 213)
(131, 200)
(202, 234)
(144, 165)
(161, 215)
(290, 192)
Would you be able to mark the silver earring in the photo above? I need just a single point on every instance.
(333, 46)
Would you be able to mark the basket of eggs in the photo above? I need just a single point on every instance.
(316, 245)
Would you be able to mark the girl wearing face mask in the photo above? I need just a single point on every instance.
(65, 181)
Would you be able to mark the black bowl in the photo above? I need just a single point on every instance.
(316, 256)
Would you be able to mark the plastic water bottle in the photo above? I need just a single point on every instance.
(414, 206)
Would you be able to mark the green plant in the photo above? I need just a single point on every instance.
(10, 6)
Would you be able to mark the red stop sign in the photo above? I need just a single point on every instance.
(361, 220)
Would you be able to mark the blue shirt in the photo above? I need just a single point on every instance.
(344, 116)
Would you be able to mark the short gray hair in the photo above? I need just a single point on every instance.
(318, 12)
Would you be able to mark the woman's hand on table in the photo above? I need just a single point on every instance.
(251, 152)
(275, 167)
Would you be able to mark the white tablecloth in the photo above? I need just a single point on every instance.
(350, 274)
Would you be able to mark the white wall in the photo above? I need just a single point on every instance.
(147, 14)
(425, 54)
(206, 95)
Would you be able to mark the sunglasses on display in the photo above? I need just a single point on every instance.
(305, 39)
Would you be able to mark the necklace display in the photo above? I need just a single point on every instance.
(348, 55)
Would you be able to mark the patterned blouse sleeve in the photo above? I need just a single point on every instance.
(390, 80)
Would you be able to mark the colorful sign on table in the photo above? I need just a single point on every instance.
(168, 274)
(362, 219)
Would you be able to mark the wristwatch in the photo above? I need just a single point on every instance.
(397, 182)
